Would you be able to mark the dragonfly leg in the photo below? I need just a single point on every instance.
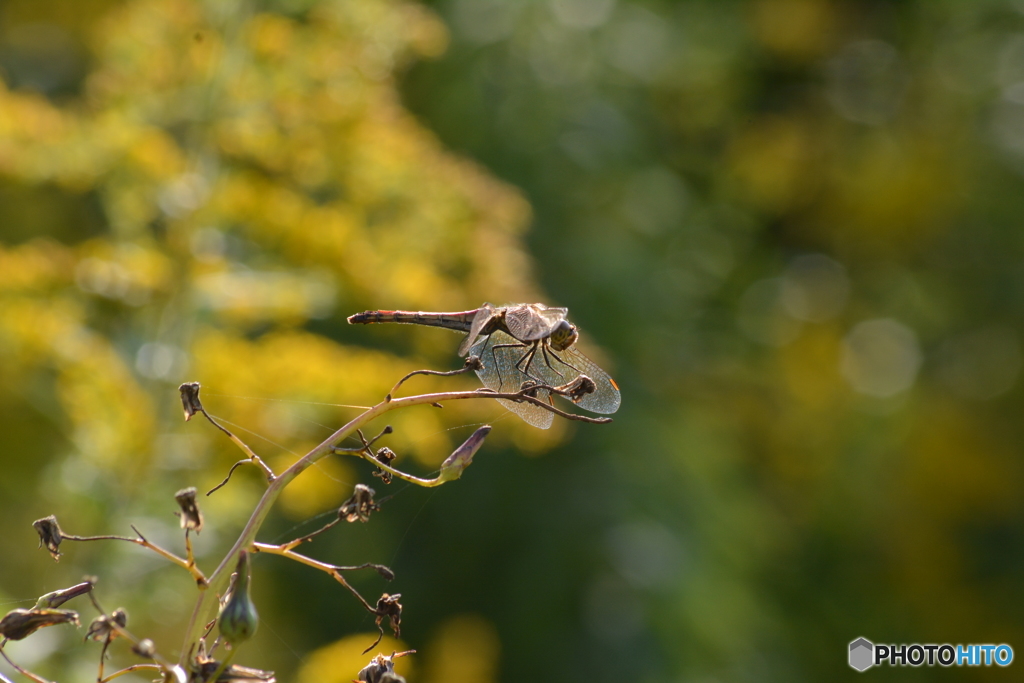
(494, 357)
(523, 364)
(548, 354)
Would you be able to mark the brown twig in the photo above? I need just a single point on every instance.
(333, 570)
(189, 564)
(24, 672)
(472, 363)
(129, 669)
(302, 539)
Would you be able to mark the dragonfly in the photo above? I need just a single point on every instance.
(521, 346)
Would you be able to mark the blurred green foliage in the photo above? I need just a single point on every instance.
(790, 228)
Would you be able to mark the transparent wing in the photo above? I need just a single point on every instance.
(606, 398)
(484, 315)
(557, 368)
(500, 374)
(532, 321)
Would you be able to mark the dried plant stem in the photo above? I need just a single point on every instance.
(188, 564)
(332, 569)
(472, 363)
(412, 479)
(128, 670)
(207, 601)
(24, 672)
(241, 444)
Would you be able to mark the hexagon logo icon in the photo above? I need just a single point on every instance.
(862, 654)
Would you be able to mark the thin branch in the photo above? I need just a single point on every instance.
(190, 558)
(302, 539)
(472, 363)
(228, 478)
(331, 569)
(241, 444)
(129, 669)
(103, 656)
(190, 566)
(24, 672)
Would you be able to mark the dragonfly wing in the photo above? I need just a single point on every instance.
(557, 368)
(606, 398)
(484, 315)
(500, 374)
(528, 322)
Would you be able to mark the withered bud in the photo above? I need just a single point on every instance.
(190, 399)
(58, 598)
(462, 457)
(191, 517)
(385, 456)
(388, 606)
(385, 572)
(104, 627)
(50, 535)
(381, 669)
(21, 623)
(529, 388)
(145, 648)
(359, 505)
(578, 388)
(474, 363)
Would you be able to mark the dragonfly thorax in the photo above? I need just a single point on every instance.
(563, 335)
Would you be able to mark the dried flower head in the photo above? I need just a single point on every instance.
(384, 456)
(388, 606)
(359, 505)
(21, 623)
(190, 399)
(105, 626)
(191, 517)
(381, 669)
(50, 535)
(578, 389)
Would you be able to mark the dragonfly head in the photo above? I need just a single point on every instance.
(563, 336)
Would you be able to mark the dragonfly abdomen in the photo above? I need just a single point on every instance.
(461, 320)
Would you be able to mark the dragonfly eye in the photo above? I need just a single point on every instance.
(564, 335)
